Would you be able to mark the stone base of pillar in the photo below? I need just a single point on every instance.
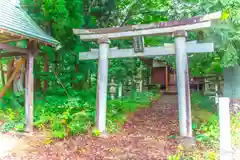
(104, 135)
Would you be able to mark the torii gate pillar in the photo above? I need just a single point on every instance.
(102, 81)
(184, 105)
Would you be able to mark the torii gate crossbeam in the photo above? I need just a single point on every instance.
(148, 51)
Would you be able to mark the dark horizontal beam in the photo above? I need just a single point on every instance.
(11, 54)
(13, 49)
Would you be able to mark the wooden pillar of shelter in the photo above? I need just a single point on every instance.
(29, 86)
(102, 84)
(183, 88)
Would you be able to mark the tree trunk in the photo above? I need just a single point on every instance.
(11, 78)
(76, 84)
(19, 81)
(9, 73)
(89, 79)
(46, 70)
(56, 68)
(2, 74)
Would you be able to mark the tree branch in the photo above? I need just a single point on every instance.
(129, 13)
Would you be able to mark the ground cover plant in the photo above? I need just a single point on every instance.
(206, 130)
(73, 116)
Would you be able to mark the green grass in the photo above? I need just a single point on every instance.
(65, 116)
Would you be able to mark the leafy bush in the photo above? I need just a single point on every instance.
(207, 128)
(65, 116)
(202, 102)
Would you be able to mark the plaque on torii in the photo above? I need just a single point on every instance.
(178, 29)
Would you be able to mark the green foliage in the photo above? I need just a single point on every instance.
(174, 157)
(207, 129)
(72, 116)
(203, 102)
(95, 132)
(207, 132)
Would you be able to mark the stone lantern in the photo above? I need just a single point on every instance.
(113, 88)
(138, 79)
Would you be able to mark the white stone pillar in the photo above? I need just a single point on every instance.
(102, 84)
(225, 129)
(183, 89)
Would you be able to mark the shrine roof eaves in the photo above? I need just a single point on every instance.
(16, 24)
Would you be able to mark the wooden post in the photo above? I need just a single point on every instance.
(102, 81)
(225, 129)
(183, 88)
(120, 88)
(150, 76)
(141, 77)
(29, 94)
(166, 78)
(197, 87)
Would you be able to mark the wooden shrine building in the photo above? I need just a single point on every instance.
(164, 75)
(16, 25)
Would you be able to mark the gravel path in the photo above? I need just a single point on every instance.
(7, 142)
(144, 137)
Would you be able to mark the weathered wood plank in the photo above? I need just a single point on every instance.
(155, 31)
(10, 54)
(148, 51)
(193, 20)
(29, 84)
(13, 49)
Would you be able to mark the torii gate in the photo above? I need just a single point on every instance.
(178, 29)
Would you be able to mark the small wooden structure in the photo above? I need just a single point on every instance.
(178, 29)
(164, 75)
(16, 25)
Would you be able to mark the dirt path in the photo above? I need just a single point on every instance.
(144, 137)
